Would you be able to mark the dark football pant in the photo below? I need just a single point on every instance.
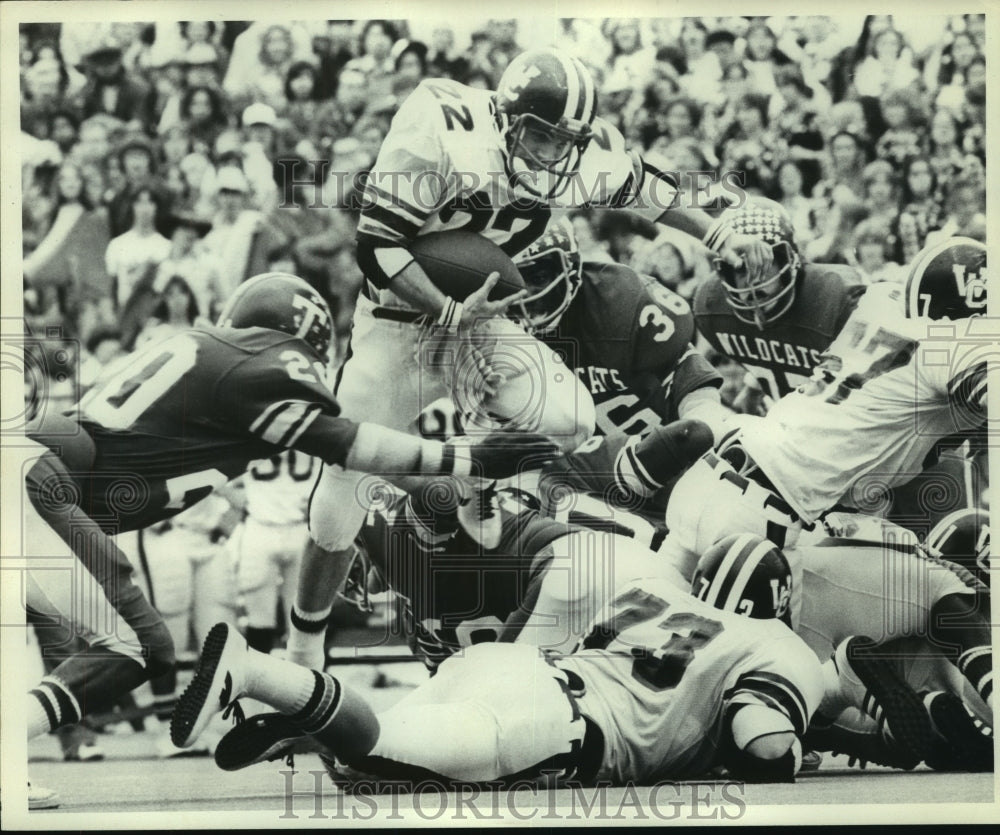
(126, 640)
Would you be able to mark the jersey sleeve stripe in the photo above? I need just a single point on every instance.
(779, 691)
(295, 432)
(631, 475)
(381, 233)
(283, 420)
(394, 202)
(388, 218)
(968, 387)
(267, 415)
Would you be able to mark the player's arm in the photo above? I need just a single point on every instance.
(405, 187)
(645, 465)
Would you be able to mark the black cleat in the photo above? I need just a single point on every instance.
(262, 738)
(889, 699)
(959, 744)
(860, 747)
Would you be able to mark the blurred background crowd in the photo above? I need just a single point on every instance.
(152, 183)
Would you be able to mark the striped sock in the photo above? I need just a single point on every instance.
(337, 718)
(307, 636)
(58, 704)
(976, 665)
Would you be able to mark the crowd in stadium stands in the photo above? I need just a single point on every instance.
(156, 157)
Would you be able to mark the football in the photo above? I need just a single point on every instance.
(459, 262)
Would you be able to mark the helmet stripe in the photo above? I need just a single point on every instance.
(726, 567)
(750, 563)
(574, 97)
(589, 91)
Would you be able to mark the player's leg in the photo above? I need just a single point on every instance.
(127, 640)
(495, 710)
(213, 583)
(253, 546)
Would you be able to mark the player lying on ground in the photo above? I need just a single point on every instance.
(160, 433)
(874, 408)
(662, 686)
(493, 164)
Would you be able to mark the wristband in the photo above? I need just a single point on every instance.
(717, 235)
(451, 314)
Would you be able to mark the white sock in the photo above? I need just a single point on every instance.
(834, 701)
(307, 646)
(38, 718)
(283, 685)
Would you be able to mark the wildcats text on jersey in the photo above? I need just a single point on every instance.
(758, 349)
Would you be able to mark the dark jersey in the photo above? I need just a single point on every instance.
(629, 341)
(186, 414)
(454, 594)
(783, 356)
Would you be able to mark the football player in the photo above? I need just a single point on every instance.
(776, 326)
(267, 546)
(493, 163)
(180, 418)
(628, 339)
(883, 395)
(662, 686)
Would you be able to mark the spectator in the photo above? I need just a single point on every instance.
(202, 65)
(966, 206)
(113, 91)
(873, 247)
(411, 62)
(203, 113)
(888, 66)
(259, 154)
(945, 146)
(94, 143)
(174, 145)
(64, 129)
(101, 348)
(678, 118)
(974, 112)
(135, 254)
(186, 261)
(702, 71)
(843, 176)
(901, 139)
(443, 59)
(630, 67)
(375, 61)
(722, 44)
(953, 67)
(881, 194)
(583, 40)
(749, 145)
(199, 186)
(262, 79)
(137, 158)
(797, 124)
(332, 48)
(922, 204)
(353, 95)
(302, 104)
(45, 93)
(762, 57)
(790, 191)
(176, 309)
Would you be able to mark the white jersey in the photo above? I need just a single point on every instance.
(441, 167)
(886, 391)
(277, 488)
(659, 667)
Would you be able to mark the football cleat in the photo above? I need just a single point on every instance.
(40, 797)
(479, 515)
(79, 744)
(860, 747)
(217, 684)
(961, 743)
(262, 738)
(887, 699)
(811, 761)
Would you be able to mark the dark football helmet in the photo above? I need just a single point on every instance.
(552, 270)
(963, 537)
(281, 302)
(745, 574)
(765, 301)
(948, 281)
(545, 104)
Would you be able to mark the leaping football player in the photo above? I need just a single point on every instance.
(493, 163)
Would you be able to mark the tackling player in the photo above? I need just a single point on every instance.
(492, 163)
(180, 418)
(884, 394)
